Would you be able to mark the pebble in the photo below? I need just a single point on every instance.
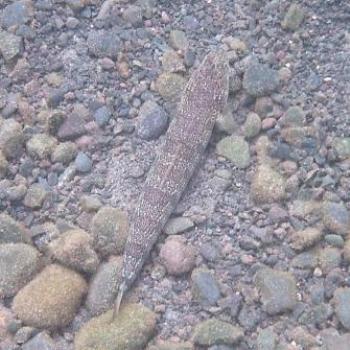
(267, 339)
(104, 286)
(268, 123)
(334, 240)
(130, 330)
(209, 252)
(268, 185)
(213, 332)
(225, 122)
(110, 229)
(11, 138)
(346, 251)
(278, 290)
(133, 15)
(41, 341)
(18, 263)
(341, 302)
(336, 218)
(102, 43)
(293, 18)
(74, 249)
(3, 165)
(11, 46)
(35, 196)
(24, 334)
(252, 125)
(83, 162)
(205, 288)
(264, 107)
(306, 260)
(260, 80)
(11, 231)
(17, 13)
(51, 299)
(172, 62)
(178, 257)
(41, 146)
(329, 258)
(235, 149)
(102, 116)
(178, 40)
(294, 116)
(90, 203)
(305, 238)
(64, 153)
(153, 121)
(170, 86)
(178, 225)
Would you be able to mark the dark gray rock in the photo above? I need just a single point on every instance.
(260, 80)
(102, 43)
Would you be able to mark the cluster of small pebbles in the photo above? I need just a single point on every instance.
(257, 253)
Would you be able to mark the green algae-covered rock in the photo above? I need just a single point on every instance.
(51, 299)
(130, 330)
(213, 332)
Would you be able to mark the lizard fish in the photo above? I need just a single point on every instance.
(203, 99)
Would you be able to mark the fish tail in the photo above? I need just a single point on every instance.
(121, 291)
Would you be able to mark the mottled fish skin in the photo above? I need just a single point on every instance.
(204, 97)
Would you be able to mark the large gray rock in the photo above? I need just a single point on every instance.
(278, 290)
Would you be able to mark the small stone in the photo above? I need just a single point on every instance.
(235, 149)
(205, 288)
(51, 299)
(11, 138)
(252, 125)
(64, 153)
(41, 146)
(293, 18)
(346, 252)
(335, 240)
(209, 251)
(41, 341)
(102, 43)
(106, 63)
(104, 286)
(74, 249)
(133, 15)
(123, 69)
(294, 116)
(305, 238)
(225, 122)
(35, 196)
(177, 257)
(18, 263)
(267, 339)
(110, 229)
(11, 231)
(17, 13)
(178, 225)
(11, 45)
(341, 302)
(306, 260)
(72, 127)
(336, 218)
(83, 162)
(341, 146)
(178, 40)
(278, 290)
(235, 44)
(170, 86)
(214, 331)
(268, 186)
(153, 121)
(3, 165)
(130, 330)
(264, 107)
(329, 259)
(55, 79)
(260, 80)
(102, 116)
(172, 62)
(90, 203)
(24, 334)
(268, 123)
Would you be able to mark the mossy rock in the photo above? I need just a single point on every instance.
(130, 330)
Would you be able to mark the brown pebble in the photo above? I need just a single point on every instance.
(268, 123)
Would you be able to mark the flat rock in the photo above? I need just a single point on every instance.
(177, 257)
(260, 80)
(51, 299)
(74, 249)
(214, 331)
(110, 228)
(130, 330)
(205, 288)
(104, 286)
(11, 231)
(18, 263)
(278, 290)
(268, 185)
(235, 149)
(11, 138)
(178, 225)
(11, 45)
(341, 302)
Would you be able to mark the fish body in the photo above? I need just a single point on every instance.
(203, 99)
